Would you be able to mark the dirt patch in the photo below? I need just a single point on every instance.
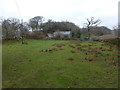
(49, 50)
(115, 63)
(90, 59)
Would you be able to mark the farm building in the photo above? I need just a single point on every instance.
(61, 33)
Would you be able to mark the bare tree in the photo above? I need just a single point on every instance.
(23, 26)
(90, 23)
(10, 28)
(36, 23)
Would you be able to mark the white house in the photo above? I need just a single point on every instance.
(50, 35)
(61, 33)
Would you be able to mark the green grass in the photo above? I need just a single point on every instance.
(24, 66)
(0, 65)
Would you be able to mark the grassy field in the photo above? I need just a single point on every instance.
(0, 65)
(59, 64)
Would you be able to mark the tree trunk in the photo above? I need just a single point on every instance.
(22, 39)
(89, 33)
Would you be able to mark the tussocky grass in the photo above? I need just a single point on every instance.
(25, 67)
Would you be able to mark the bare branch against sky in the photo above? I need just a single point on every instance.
(61, 10)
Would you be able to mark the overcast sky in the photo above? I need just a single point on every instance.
(75, 11)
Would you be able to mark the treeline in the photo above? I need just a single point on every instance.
(37, 28)
(97, 31)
